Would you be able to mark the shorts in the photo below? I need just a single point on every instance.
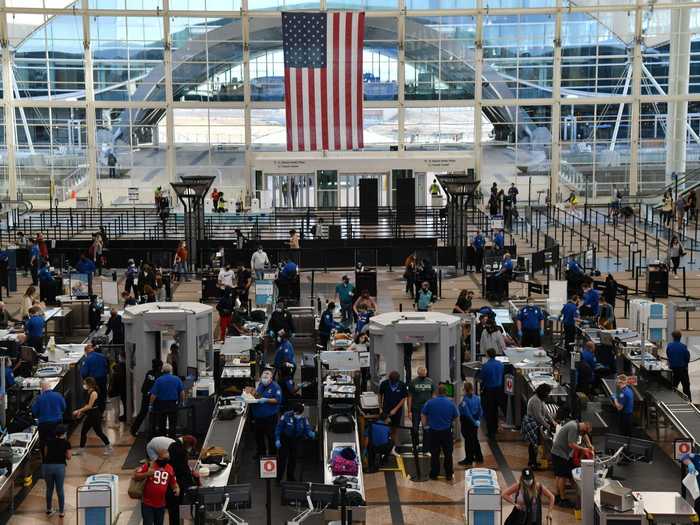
(562, 467)
(396, 419)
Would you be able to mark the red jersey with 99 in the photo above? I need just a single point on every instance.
(157, 485)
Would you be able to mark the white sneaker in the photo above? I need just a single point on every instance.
(78, 451)
(108, 450)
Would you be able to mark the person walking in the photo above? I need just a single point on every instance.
(258, 262)
(93, 417)
(148, 382)
(678, 359)
(469, 421)
(667, 208)
(424, 298)
(409, 274)
(438, 415)
(345, 293)
(291, 429)
(526, 497)
(675, 252)
(131, 272)
(181, 257)
(56, 453)
(536, 419)
(166, 393)
(392, 398)
(492, 382)
(159, 475)
(420, 391)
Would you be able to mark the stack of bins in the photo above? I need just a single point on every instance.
(482, 497)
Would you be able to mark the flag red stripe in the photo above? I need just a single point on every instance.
(300, 111)
(288, 109)
(348, 79)
(360, 102)
(312, 108)
(336, 80)
(324, 108)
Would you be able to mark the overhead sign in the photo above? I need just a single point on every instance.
(682, 446)
(508, 383)
(268, 468)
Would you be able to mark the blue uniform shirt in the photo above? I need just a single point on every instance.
(440, 411)
(34, 252)
(499, 240)
(569, 313)
(294, 427)
(574, 266)
(327, 323)
(285, 354)
(479, 242)
(85, 266)
(45, 274)
(470, 408)
(530, 317)
(289, 270)
(492, 373)
(694, 459)
(677, 354)
(592, 298)
(271, 391)
(626, 398)
(487, 311)
(34, 326)
(167, 388)
(9, 377)
(507, 265)
(49, 407)
(94, 365)
(380, 434)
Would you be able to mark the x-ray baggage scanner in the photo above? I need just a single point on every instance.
(393, 334)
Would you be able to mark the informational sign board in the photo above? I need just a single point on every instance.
(268, 468)
(133, 194)
(682, 446)
(508, 384)
(110, 292)
(264, 291)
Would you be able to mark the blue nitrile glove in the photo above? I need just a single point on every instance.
(312, 435)
(541, 332)
(477, 423)
(278, 444)
(520, 334)
(692, 469)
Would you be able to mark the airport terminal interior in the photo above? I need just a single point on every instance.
(349, 262)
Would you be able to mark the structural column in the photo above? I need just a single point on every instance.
(401, 77)
(90, 122)
(170, 161)
(635, 112)
(478, 92)
(247, 129)
(7, 93)
(555, 162)
(678, 84)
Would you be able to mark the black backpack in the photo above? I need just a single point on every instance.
(341, 424)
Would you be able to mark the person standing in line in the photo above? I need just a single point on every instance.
(181, 258)
(56, 453)
(478, 243)
(166, 393)
(159, 475)
(513, 193)
(258, 262)
(470, 419)
(392, 397)
(48, 408)
(345, 293)
(678, 359)
(492, 380)
(438, 415)
(534, 421)
(420, 391)
(93, 417)
(131, 272)
(34, 260)
(675, 252)
(680, 210)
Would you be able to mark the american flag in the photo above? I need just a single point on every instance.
(323, 80)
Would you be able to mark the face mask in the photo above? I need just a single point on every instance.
(85, 387)
(266, 381)
(298, 416)
(530, 304)
(279, 339)
(259, 250)
(162, 462)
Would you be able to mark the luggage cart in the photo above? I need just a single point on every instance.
(482, 497)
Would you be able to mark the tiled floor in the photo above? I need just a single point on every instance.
(436, 502)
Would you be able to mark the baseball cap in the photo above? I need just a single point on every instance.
(527, 474)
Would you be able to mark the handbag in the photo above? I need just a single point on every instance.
(136, 487)
(516, 517)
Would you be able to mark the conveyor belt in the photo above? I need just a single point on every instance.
(227, 435)
(334, 439)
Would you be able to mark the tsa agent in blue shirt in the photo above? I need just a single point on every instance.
(437, 416)
(588, 355)
(392, 397)
(85, 265)
(292, 427)
(478, 243)
(623, 401)
(326, 325)
(48, 408)
(492, 381)
(574, 267)
(34, 329)
(166, 393)
(569, 315)
(678, 358)
(379, 443)
(470, 418)
(264, 412)
(506, 266)
(591, 299)
(499, 240)
(289, 270)
(9, 376)
(96, 365)
(530, 323)
(285, 350)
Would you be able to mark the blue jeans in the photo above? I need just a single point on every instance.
(259, 274)
(54, 475)
(151, 515)
(181, 270)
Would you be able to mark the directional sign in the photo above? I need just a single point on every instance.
(268, 468)
(682, 446)
(508, 381)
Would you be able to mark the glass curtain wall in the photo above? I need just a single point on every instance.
(107, 95)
